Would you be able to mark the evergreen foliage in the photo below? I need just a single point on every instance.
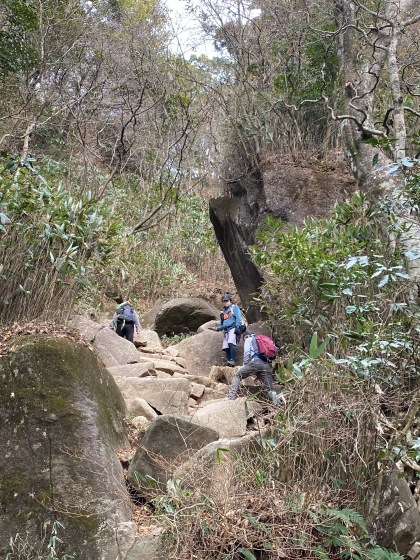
(51, 242)
(343, 278)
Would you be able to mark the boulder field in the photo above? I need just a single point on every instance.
(66, 403)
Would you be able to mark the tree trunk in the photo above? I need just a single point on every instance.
(364, 55)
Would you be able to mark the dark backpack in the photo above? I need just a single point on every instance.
(125, 314)
(266, 347)
(241, 329)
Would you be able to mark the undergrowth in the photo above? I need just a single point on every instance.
(295, 490)
(20, 548)
(338, 296)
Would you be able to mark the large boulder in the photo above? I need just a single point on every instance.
(61, 423)
(397, 524)
(147, 320)
(283, 191)
(166, 396)
(183, 315)
(204, 350)
(214, 468)
(169, 441)
(228, 418)
(111, 348)
(85, 326)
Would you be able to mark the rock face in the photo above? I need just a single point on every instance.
(226, 417)
(212, 468)
(398, 521)
(61, 421)
(285, 191)
(166, 396)
(183, 315)
(169, 441)
(204, 350)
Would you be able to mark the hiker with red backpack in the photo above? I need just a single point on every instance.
(124, 321)
(259, 351)
(232, 326)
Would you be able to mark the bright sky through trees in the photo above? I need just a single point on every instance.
(189, 38)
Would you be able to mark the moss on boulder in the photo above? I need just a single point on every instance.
(61, 422)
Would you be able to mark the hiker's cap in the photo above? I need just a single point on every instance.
(226, 297)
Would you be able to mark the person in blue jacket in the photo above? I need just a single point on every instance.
(230, 323)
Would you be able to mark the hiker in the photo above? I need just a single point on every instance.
(124, 320)
(255, 363)
(231, 324)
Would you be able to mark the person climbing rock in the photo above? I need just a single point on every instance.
(124, 321)
(230, 323)
(255, 363)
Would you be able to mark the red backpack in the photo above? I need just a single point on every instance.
(266, 346)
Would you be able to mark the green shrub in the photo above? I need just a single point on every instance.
(344, 278)
(51, 240)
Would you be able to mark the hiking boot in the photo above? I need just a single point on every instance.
(231, 363)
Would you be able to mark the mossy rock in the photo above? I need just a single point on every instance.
(61, 422)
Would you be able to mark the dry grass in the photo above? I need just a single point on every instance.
(275, 496)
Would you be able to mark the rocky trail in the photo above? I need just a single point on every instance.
(178, 413)
(111, 430)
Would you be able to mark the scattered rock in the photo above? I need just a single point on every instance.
(222, 374)
(139, 407)
(134, 546)
(212, 468)
(166, 396)
(196, 379)
(145, 369)
(226, 417)
(169, 441)
(212, 394)
(197, 391)
(149, 340)
(168, 366)
(171, 351)
(163, 375)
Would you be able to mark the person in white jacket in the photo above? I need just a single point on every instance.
(254, 364)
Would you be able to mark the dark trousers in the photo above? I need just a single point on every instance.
(126, 330)
(261, 370)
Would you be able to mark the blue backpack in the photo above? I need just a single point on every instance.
(125, 314)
